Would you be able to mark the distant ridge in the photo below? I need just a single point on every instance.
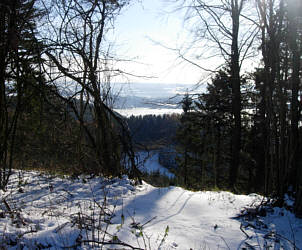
(127, 102)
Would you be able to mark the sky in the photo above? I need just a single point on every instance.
(144, 30)
(138, 33)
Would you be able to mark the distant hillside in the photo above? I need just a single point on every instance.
(126, 102)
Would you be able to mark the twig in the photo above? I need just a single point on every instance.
(291, 228)
(284, 238)
(249, 246)
(149, 221)
(7, 206)
(60, 227)
(68, 192)
(247, 236)
(225, 242)
(103, 243)
(164, 238)
(28, 232)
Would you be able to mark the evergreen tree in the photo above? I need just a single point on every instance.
(185, 142)
(215, 107)
(19, 68)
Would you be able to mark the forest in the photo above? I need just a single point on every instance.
(154, 131)
(242, 134)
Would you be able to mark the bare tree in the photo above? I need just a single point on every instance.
(270, 45)
(80, 57)
(295, 44)
(294, 16)
(281, 81)
(228, 30)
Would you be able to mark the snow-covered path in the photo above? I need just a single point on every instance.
(54, 213)
(196, 220)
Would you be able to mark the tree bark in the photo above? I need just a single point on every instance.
(236, 96)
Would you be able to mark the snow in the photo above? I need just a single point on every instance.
(147, 111)
(58, 212)
(148, 162)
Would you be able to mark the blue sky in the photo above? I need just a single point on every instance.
(147, 22)
(139, 24)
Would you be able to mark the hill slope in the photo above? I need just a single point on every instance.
(51, 212)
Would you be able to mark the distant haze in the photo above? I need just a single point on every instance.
(152, 90)
(150, 98)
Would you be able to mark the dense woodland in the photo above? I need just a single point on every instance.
(154, 131)
(243, 133)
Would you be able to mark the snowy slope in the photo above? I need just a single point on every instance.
(148, 162)
(55, 213)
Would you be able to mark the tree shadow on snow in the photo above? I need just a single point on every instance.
(144, 207)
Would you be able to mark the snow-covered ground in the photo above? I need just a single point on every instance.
(148, 162)
(40, 211)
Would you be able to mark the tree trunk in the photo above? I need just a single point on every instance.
(236, 97)
(260, 140)
(295, 159)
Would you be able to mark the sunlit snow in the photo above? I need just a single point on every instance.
(56, 213)
(147, 111)
(148, 162)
